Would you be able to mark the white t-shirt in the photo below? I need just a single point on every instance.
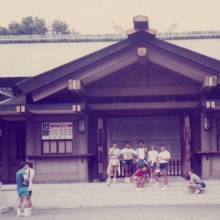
(141, 153)
(152, 156)
(128, 153)
(30, 178)
(114, 153)
(164, 154)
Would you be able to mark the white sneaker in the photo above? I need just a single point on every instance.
(141, 189)
(27, 212)
(126, 180)
(165, 188)
(114, 181)
(19, 213)
(157, 184)
(137, 189)
(151, 181)
(108, 181)
(197, 191)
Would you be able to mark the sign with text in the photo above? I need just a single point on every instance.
(57, 131)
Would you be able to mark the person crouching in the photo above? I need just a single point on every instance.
(140, 178)
(196, 184)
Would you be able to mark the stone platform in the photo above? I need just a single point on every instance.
(75, 195)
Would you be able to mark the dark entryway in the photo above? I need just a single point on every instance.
(12, 149)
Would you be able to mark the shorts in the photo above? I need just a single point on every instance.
(153, 166)
(141, 163)
(164, 166)
(22, 191)
(114, 162)
(30, 193)
(127, 162)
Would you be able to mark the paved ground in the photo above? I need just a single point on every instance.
(128, 213)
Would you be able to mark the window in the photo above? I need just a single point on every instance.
(53, 147)
(57, 138)
(218, 133)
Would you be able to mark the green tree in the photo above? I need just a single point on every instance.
(14, 28)
(60, 27)
(4, 31)
(30, 25)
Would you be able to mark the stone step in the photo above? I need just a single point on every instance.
(121, 194)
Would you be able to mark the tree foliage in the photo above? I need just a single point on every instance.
(60, 27)
(34, 25)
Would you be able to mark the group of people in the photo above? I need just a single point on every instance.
(24, 179)
(142, 163)
(145, 162)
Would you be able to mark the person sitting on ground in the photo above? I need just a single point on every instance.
(140, 177)
(163, 159)
(22, 190)
(152, 162)
(141, 155)
(128, 155)
(196, 184)
(114, 162)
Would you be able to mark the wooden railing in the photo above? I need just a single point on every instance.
(174, 168)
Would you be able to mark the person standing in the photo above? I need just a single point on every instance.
(128, 155)
(163, 159)
(196, 184)
(22, 190)
(114, 162)
(30, 174)
(141, 155)
(152, 162)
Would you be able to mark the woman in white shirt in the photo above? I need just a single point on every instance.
(163, 159)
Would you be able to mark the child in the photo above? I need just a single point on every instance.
(141, 154)
(152, 161)
(140, 178)
(195, 183)
(128, 155)
(114, 163)
(163, 159)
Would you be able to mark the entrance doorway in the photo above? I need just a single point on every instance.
(13, 149)
(154, 130)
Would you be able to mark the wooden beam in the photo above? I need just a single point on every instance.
(49, 90)
(142, 55)
(140, 22)
(106, 68)
(76, 86)
(143, 91)
(209, 83)
(140, 106)
(90, 75)
(178, 64)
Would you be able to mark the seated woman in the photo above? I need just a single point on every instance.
(114, 162)
(140, 177)
(195, 184)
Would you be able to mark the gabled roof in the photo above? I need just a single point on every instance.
(135, 38)
(62, 71)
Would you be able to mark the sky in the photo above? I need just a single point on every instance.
(96, 16)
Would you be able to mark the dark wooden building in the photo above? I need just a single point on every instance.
(140, 88)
